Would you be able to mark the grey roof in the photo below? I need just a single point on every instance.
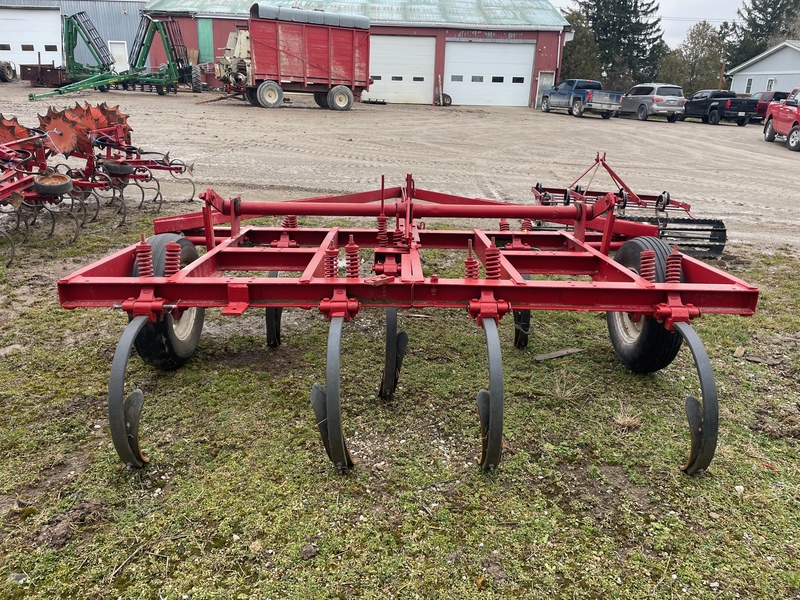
(463, 14)
(794, 44)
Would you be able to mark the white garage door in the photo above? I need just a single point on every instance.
(27, 34)
(402, 68)
(488, 73)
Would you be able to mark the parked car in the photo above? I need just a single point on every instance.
(713, 106)
(783, 118)
(762, 102)
(580, 96)
(654, 100)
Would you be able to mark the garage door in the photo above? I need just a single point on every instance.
(30, 34)
(488, 73)
(402, 68)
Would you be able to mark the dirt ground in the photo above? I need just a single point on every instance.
(299, 150)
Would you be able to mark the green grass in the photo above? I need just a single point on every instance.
(240, 500)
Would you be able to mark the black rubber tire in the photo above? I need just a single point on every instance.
(545, 104)
(169, 343)
(252, 96)
(769, 132)
(672, 118)
(704, 118)
(340, 97)
(793, 139)
(713, 117)
(741, 122)
(641, 113)
(646, 346)
(577, 108)
(321, 98)
(446, 100)
(55, 184)
(117, 169)
(197, 80)
(269, 94)
(607, 114)
(160, 90)
(6, 72)
(102, 88)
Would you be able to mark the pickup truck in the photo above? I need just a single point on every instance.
(783, 118)
(713, 106)
(579, 96)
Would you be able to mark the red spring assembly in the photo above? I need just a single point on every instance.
(144, 258)
(331, 261)
(472, 268)
(383, 235)
(353, 264)
(172, 258)
(492, 262)
(647, 265)
(504, 225)
(290, 222)
(674, 260)
(527, 225)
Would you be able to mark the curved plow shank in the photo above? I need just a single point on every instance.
(490, 404)
(396, 344)
(327, 405)
(703, 420)
(7, 241)
(124, 413)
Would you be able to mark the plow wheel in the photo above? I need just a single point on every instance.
(522, 324)
(63, 134)
(124, 412)
(272, 317)
(642, 343)
(703, 419)
(396, 344)
(326, 402)
(490, 403)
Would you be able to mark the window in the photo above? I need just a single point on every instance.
(477, 79)
(671, 90)
(770, 84)
(497, 79)
(5, 47)
(517, 80)
(419, 79)
(27, 47)
(50, 48)
(397, 78)
(749, 85)
(376, 77)
(456, 78)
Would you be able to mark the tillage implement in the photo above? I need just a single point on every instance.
(649, 291)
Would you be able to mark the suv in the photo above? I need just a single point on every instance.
(654, 99)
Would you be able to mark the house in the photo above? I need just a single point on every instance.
(776, 69)
(502, 53)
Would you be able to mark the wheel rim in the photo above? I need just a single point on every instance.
(270, 95)
(340, 99)
(628, 327)
(642, 113)
(794, 138)
(182, 328)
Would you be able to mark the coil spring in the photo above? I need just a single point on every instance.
(472, 269)
(674, 260)
(331, 261)
(492, 262)
(172, 258)
(144, 258)
(352, 265)
(383, 235)
(527, 225)
(504, 225)
(290, 222)
(647, 265)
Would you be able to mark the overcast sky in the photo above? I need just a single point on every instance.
(677, 16)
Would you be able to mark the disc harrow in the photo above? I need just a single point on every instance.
(644, 214)
(649, 291)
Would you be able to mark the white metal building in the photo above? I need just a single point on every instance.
(30, 34)
(776, 69)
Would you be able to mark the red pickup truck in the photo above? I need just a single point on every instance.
(783, 118)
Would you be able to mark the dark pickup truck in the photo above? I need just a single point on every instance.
(580, 96)
(713, 106)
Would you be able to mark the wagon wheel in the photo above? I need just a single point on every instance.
(327, 405)
(396, 344)
(490, 403)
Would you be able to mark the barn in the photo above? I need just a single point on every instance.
(31, 30)
(776, 69)
(502, 53)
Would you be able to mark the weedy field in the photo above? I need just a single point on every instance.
(240, 501)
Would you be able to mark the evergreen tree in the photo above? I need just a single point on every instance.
(629, 38)
(762, 24)
(698, 59)
(581, 55)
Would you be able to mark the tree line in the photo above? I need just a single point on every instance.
(620, 42)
